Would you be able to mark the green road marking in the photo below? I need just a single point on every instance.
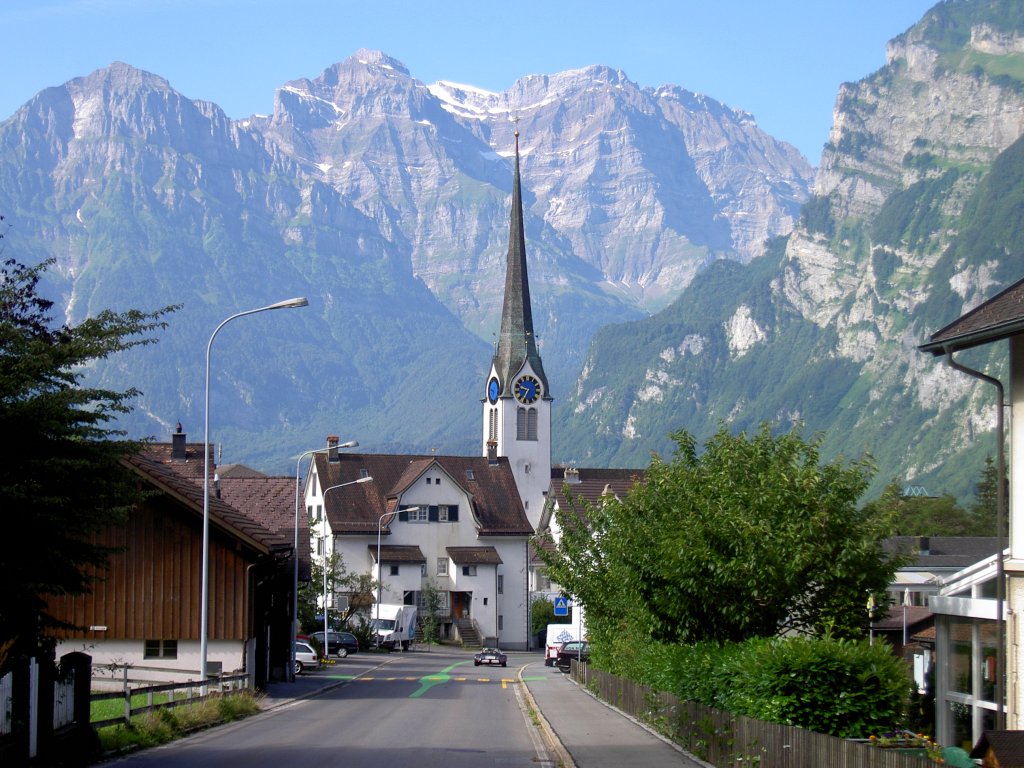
(429, 681)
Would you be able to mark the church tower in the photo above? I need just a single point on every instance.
(517, 402)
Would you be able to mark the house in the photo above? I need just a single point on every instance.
(144, 609)
(999, 319)
(454, 523)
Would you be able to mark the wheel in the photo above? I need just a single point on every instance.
(476, 663)
(342, 652)
(298, 667)
(503, 663)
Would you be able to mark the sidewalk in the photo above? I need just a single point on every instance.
(594, 734)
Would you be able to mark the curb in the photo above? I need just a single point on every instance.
(554, 744)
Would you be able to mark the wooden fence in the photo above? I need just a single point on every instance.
(152, 697)
(733, 741)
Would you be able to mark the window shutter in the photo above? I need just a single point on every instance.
(432, 513)
(453, 513)
(403, 515)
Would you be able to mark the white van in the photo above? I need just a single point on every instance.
(558, 634)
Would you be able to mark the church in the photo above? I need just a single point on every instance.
(454, 525)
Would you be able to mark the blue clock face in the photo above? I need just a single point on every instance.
(527, 389)
(492, 390)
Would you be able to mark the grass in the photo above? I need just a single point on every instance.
(153, 728)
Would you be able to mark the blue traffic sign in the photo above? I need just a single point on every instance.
(561, 606)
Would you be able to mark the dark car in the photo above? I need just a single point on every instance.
(490, 656)
(339, 644)
(574, 649)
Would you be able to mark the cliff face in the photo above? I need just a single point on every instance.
(912, 223)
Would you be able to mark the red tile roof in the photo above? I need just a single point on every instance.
(357, 508)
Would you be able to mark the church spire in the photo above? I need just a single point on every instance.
(517, 342)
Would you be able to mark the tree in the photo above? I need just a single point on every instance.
(753, 538)
(430, 617)
(360, 588)
(66, 479)
(543, 613)
(986, 498)
(933, 515)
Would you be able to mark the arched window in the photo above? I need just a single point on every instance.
(526, 424)
(492, 426)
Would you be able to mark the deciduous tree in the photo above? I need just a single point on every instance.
(756, 536)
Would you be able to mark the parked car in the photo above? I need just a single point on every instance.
(339, 644)
(574, 649)
(305, 657)
(490, 656)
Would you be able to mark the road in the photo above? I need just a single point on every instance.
(424, 709)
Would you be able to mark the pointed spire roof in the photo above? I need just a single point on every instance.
(517, 343)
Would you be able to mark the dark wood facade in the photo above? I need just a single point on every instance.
(150, 588)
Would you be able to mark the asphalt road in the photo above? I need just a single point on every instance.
(418, 709)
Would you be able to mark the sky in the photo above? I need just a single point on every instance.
(781, 60)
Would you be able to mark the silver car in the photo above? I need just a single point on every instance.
(305, 657)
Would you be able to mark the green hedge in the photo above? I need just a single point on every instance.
(848, 689)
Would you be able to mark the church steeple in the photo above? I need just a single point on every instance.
(517, 342)
(517, 405)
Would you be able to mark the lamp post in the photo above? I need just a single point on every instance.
(204, 599)
(324, 494)
(380, 523)
(295, 547)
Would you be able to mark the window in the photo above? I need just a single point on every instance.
(442, 566)
(394, 570)
(419, 515)
(423, 570)
(442, 513)
(526, 424)
(319, 512)
(320, 547)
(492, 426)
(469, 570)
(364, 473)
(501, 622)
(470, 475)
(160, 649)
(501, 584)
(314, 485)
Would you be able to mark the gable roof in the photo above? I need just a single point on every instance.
(189, 466)
(998, 318)
(357, 508)
(572, 485)
(222, 515)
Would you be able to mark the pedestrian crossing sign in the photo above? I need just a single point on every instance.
(561, 606)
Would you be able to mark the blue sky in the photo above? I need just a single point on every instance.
(782, 60)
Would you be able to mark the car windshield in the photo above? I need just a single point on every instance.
(383, 624)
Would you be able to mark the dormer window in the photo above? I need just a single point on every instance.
(364, 473)
(470, 475)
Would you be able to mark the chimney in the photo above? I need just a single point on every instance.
(492, 452)
(178, 444)
(924, 545)
(332, 447)
(572, 476)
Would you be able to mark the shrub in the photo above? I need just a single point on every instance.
(843, 688)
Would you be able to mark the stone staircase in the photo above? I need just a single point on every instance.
(468, 633)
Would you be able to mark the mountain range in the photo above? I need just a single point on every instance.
(686, 268)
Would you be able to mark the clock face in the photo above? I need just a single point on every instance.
(527, 389)
(492, 390)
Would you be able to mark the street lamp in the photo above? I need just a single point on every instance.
(324, 494)
(380, 523)
(204, 599)
(295, 549)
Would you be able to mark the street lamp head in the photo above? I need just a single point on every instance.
(298, 301)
